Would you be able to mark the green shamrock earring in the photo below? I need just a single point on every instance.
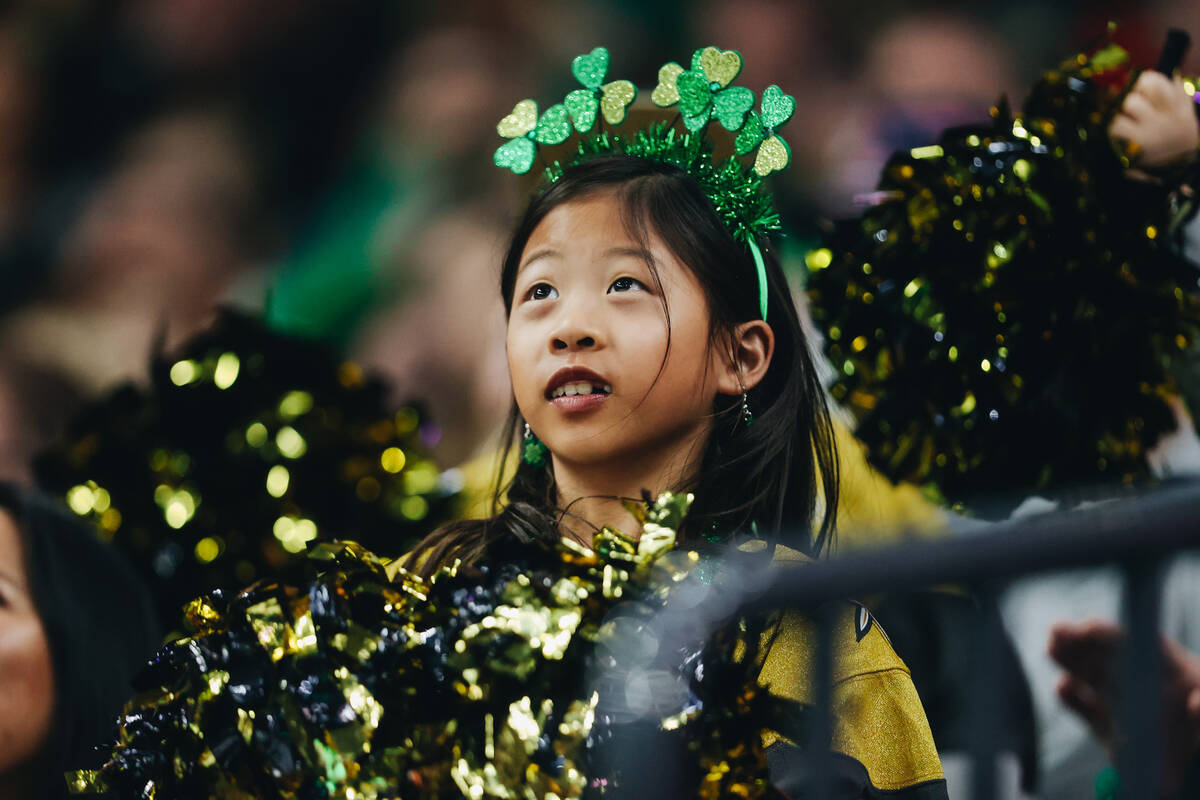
(533, 452)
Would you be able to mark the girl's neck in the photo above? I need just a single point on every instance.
(592, 494)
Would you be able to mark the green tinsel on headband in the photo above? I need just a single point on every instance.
(735, 190)
(1005, 320)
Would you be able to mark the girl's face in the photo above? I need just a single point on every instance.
(588, 342)
(26, 670)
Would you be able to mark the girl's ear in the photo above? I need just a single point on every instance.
(751, 346)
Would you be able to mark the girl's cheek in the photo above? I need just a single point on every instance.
(26, 689)
(522, 356)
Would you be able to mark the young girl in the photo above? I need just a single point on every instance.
(640, 360)
(651, 352)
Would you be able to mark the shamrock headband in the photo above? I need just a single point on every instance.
(703, 94)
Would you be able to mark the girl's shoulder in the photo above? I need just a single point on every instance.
(878, 718)
(860, 644)
(861, 647)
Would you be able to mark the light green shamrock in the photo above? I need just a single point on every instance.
(775, 109)
(527, 131)
(703, 92)
(610, 98)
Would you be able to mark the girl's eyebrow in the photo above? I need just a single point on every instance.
(613, 252)
(544, 252)
(635, 252)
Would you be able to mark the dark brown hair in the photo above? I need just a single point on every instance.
(99, 622)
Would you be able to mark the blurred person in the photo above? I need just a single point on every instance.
(435, 108)
(1158, 123)
(1160, 131)
(536, 35)
(921, 73)
(18, 102)
(21, 206)
(157, 245)
(409, 164)
(303, 72)
(792, 43)
(75, 626)
(430, 239)
(787, 39)
(1161, 15)
(1088, 653)
(1069, 757)
(460, 371)
(1157, 126)
(299, 74)
(35, 404)
(207, 36)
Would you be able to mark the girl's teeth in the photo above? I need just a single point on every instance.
(581, 387)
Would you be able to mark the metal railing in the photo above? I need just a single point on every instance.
(1137, 535)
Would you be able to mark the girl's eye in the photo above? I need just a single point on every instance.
(541, 291)
(626, 284)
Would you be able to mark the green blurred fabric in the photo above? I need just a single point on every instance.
(339, 270)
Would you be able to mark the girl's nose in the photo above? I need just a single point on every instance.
(577, 329)
(580, 343)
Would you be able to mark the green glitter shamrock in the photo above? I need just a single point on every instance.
(735, 188)
(776, 108)
(527, 131)
(703, 92)
(610, 98)
(534, 452)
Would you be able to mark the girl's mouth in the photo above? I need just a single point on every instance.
(577, 388)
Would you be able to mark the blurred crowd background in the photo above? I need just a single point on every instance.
(329, 164)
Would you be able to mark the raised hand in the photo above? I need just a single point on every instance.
(1158, 123)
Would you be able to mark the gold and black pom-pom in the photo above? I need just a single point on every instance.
(506, 680)
(245, 447)
(1005, 318)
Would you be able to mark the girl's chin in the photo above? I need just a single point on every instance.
(589, 450)
(587, 460)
